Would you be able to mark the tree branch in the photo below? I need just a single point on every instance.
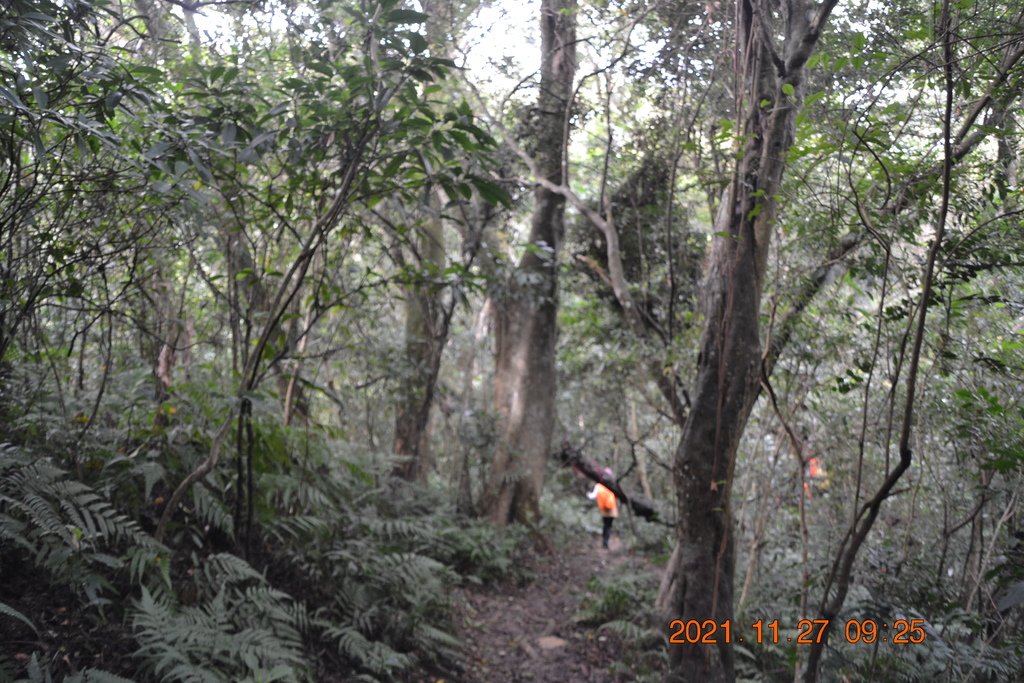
(639, 504)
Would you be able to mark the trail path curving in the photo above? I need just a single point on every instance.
(527, 633)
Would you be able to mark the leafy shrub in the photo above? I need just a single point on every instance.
(621, 596)
(482, 554)
(619, 604)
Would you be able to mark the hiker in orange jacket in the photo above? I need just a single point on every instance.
(607, 505)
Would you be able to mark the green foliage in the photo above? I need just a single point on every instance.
(155, 193)
(380, 562)
(480, 553)
(377, 566)
(620, 604)
(39, 674)
(951, 651)
(64, 528)
(987, 421)
(246, 631)
(59, 534)
(621, 596)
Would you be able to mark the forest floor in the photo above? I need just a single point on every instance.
(530, 632)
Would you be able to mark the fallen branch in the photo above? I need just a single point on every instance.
(641, 505)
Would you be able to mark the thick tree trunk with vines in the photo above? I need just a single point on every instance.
(699, 583)
(524, 317)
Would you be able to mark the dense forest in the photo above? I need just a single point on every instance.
(319, 318)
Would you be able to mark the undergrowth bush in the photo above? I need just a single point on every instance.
(620, 604)
(348, 579)
(480, 554)
(242, 630)
(372, 563)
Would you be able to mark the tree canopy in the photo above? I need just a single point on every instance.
(316, 317)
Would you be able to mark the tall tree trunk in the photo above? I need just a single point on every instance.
(524, 317)
(426, 329)
(700, 575)
(464, 498)
(425, 335)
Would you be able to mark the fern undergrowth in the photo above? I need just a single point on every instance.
(345, 580)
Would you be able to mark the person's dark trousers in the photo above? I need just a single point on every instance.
(606, 531)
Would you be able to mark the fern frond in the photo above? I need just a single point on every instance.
(298, 527)
(8, 611)
(224, 569)
(438, 639)
(640, 636)
(211, 511)
(246, 631)
(376, 657)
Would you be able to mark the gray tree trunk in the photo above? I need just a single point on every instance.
(525, 332)
(425, 328)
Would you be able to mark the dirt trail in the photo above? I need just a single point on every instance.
(527, 633)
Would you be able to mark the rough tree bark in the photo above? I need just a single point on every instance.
(524, 317)
(699, 579)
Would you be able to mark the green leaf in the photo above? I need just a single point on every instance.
(393, 166)
(227, 133)
(112, 99)
(406, 16)
(323, 68)
(156, 150)
(464, 141)
(491, 192)
(416, 42)
(788, 89)
(42, 99)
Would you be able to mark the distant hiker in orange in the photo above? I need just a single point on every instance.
(607, 505)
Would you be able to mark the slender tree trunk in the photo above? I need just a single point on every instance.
(524, 317)
(296, 403)
(837, 583)
(972, 560)
(160, 39)
(424, 341)
(641, 457)
(170, 326)
(425, 328)
(764, 498)
(700, 584)
(464, 498)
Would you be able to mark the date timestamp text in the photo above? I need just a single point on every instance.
(808, 632)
